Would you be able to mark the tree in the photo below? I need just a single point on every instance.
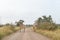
(38, 22)
(20, 22)
(7, 24)
(45, 18)
(45, 23)
(50, 19)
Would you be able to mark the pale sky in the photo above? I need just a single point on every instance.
(28, 10)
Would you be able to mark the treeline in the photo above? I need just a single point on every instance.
(45, 22)
(16, 24)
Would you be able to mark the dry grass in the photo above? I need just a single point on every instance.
(54, 35)
(6, 31)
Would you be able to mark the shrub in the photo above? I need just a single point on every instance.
(45, 22)
(47, 26)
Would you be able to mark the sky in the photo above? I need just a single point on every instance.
(28, 10)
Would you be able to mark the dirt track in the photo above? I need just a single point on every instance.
(27, 35)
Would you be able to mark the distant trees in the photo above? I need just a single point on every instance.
(19, 22)
(28, 25)
(7, 24)
(45, 23)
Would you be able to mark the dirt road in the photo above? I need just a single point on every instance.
(27, 35)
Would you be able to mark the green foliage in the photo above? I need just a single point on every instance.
(46, 23)
(47, 26)
(19, 22)
(7, 24)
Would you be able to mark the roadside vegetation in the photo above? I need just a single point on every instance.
(7, 30)
(46, 26)
(54, 35)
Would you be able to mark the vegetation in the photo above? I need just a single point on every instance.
(10, 28)
(45, 23)
(6, 30)
(20, 22)
(54, 35)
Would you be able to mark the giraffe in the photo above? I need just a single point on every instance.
(22, 25)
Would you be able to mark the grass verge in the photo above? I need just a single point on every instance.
(4, 31)
(54, 35)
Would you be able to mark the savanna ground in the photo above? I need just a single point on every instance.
(54, 35)
(7, 30)
(27, 35)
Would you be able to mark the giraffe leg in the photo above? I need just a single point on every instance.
(20, 29)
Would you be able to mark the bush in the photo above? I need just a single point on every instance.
(45, 22)
(47, 26)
